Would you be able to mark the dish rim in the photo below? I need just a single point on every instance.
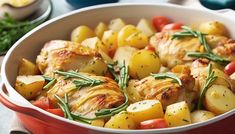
(100, 129)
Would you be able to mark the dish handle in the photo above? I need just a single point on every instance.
(228, 13)
(5, 100)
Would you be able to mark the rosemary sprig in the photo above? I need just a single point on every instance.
(209, 54)
(49, 84)
(48, 79)
(167, 75)
(64, 106)
(111, 68)
(83, 80)
(123, 78)
(210, 78)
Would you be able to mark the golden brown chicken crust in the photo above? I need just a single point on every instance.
(165, 90)
(63, 55)
(88, 100)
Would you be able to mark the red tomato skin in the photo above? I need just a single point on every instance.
(56, 111)
(150, 48)
(159, 22)
(172, 26)
(44, 103)
(230, 68)
(111, 53)
(153, 124)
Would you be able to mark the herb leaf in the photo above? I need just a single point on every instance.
(167, 75)
(83, 80)
(12, 30)
(210, 78)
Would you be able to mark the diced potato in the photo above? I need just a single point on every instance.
(110, 40)
(124, 54)
(137, 40)
(100, 28)
(146, 27)
(215, 40)
(124, 33)
(201, 115)
(29, 86)
(214, 28)
(222, 78)
(219, 99)
(121, 121)
(132, 93)
(26, 67)
(95, 43)
(145, 110)
(98, 122)
(106, 57)
(178, 114)
(142, 63)
(81, 33)
(116, 24)
(96, 66)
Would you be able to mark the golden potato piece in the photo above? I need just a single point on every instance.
(142, 63)
(29, 86)
(124, 33)
(214, 28)
(95, 43)
(96, 66)
(81, 33)
(121, 121)
(116, 24)
(98, 122)
(110, 40)
(219, 99)
(137, 40)
(26, 67)
(178, 114)
(145, 110)
(201, 115)
(146, 27)
(124, 54)
(100, 28)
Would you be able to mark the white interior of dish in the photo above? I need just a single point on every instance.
(60, 28)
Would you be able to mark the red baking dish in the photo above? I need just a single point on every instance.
(41, 122)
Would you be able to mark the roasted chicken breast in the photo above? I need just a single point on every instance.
(165, 90)
(87, 100)
(65, 55)
(173, 52)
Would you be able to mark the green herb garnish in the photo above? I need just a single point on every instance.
(49, 84)
(188, 32)
(167, 75)
(83, 80)
(210, 78)
(12, 30)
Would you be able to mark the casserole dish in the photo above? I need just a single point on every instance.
(39, 121)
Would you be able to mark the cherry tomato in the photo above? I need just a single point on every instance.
(56, 111)
(111, 53)
(153, 124)
(159, 22)
(150, 48)
(172, 26)
(230, 68)
(44, 103)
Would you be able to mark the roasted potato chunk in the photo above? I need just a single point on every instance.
(29, 86)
